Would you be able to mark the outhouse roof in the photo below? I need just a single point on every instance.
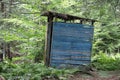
(65, 16)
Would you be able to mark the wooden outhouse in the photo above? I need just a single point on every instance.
(69, 40)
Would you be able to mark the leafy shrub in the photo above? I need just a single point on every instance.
(104, 61)
(30, 71)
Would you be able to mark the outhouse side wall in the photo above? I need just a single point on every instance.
(71, 44)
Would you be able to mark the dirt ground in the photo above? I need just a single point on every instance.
(98, 75)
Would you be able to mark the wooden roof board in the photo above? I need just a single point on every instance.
(65, 16)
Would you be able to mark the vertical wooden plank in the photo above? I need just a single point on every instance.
(92, 23)
(91, 50)
(81, 21)
(48, 40)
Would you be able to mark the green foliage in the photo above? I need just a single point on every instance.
(107, 38)
(32, 71)
(104, 61)
(23, 24)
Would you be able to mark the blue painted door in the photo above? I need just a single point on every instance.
(71, 44)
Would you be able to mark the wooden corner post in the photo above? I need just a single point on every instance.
(48, 40)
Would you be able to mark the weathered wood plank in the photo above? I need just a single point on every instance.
(71, 39)
(66, 16)
(79, 58)
(71, 62)
(72, 31)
